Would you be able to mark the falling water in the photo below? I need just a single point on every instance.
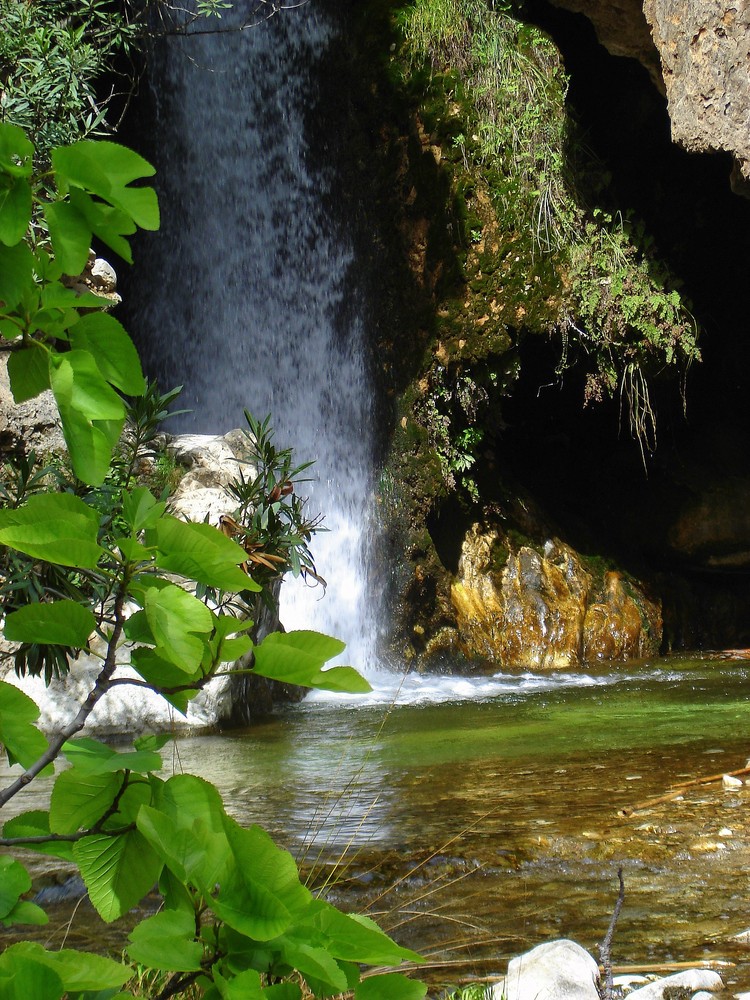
(248, 294)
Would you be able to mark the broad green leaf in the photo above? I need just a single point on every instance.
(186, 828)
(262, 895)
(11, 328)
(295, 658)
(16, 151)
(36, 824)
(79, 800)
(99, 166)
(110, 224)
(89, 756)
(117, 871)
(152, 743)
(107, 170)
(14, 882)
(161, 673)
(64, 623)
(140, 509)
(16, 267)
(282, 991)
(70, 234)
(15, 209)
(201, 552)
(76, 379)
(355, 938)
(132, 550)
(245, 986)
(167, 941)
(79, 970)
(28, 371)
(177, 619)
(23, 742)
(389, 986)
(114, 352)
(314, 963)
(56, 527)
(25, 978)
(25, 912)
(91, 412)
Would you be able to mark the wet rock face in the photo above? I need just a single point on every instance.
(545, 610)
(696, 52)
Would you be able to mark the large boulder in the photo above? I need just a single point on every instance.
(541, 608)
(555, 970)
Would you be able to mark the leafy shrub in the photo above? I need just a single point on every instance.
(237, 922)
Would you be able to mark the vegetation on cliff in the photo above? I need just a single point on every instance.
(541, 256)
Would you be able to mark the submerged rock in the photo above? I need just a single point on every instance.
(545, 610)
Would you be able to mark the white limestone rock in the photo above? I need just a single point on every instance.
(555, 970)
(691, 979)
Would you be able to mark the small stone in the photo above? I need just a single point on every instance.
(742, 938)
(729, 781)
(726, 832)
(702, 995)
(691, 979)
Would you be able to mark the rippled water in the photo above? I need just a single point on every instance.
(482, 817)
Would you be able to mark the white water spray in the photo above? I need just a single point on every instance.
(247, 293)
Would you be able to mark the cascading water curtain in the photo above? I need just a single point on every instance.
(248, 294)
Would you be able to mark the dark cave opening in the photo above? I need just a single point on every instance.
(582, 464)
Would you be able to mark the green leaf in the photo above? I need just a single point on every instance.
(314, 963)
(118, 871)
(36, 824)
(64, 623)
(296, 658)
(186, 828)
(161, 673)
(177, 619)
(56, 527)
(201, 552)
(140, 509)
(245, 986)
(389, 986)
(167, 941)
(79, 970)
(25, 912)
(261, 895)
(70, 234)
(16, 267)
(23, 742)
(114, 352)
(16, 151)
(91, 412)
(153, 742)
(15, 209)
(28, 371)
(354, 938)
(14, 882)
(89, 756)
(79, 800)
(25, 978)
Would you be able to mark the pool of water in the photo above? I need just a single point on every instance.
(477, 818)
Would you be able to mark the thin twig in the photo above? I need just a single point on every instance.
(605, 948)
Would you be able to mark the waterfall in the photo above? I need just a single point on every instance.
(248, 294)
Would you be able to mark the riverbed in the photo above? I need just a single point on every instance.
(478, 817)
